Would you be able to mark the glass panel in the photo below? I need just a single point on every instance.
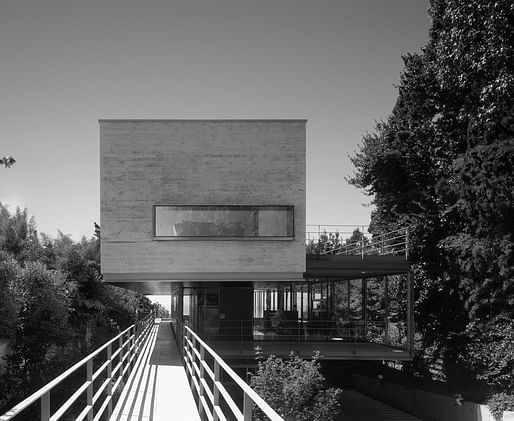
(397, 310)
(355, 299)
(208, 309)
(224, 221)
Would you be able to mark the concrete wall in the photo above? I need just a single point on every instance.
(197, 162)
(425, 405)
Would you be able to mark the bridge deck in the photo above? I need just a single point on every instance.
(157, 388)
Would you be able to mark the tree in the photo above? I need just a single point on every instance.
(7, 161)
(18, 235)
(327, 241)
(294, 388)
(42, 327)
(332, 241)
(54, 306)
(442, 164)
(8, 311)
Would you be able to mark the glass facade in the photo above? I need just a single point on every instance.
(359, 310)
(183, 222)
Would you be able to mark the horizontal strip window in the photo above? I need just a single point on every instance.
(223, 222)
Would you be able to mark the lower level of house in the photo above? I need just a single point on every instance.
(341, 318)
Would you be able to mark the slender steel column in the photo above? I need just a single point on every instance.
(410, 314)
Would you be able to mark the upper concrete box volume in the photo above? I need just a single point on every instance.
(202, 199)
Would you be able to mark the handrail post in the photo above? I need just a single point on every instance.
(192, 361)
(406, 244)
(109, 376)
(132, 343)
(250, 397)
(202, 373)
(362, 243)
(45, 407)
(136, 340)
(120, 345)
(89, 394)
(247, 408)
(216, 391)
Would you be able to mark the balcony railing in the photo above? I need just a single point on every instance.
(352, 240)
(205, 370)
(239, 332)
(106, 368)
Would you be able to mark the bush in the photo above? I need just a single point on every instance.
(295, 389)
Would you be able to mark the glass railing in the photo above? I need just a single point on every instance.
(392, 334)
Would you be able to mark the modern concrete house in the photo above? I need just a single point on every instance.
(212, 212)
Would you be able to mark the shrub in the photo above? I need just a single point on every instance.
(295, 389)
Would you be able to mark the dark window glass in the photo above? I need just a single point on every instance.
(223, 221)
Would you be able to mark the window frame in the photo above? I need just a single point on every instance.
(287, 208)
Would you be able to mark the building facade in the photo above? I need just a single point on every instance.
(212, 212)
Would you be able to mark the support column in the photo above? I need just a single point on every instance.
(410, 314)
(364, 292)
(386, 308)
(177, 307)
(180, 303)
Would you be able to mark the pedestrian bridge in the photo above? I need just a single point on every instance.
(141, 375)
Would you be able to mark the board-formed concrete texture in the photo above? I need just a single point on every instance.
(199, 162)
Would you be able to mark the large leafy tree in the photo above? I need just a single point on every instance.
(442, 164)
(43, 328)
(7, 161)
(8, 310)
(54, 306)
(35, 304)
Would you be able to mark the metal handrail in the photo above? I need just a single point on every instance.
(197, 368)
(394, 242)
(136, 334)
(315, 232)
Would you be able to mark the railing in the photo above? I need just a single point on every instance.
(351, 240)
(124, 348)
(241, 332)
(315, 232)
(205, 371)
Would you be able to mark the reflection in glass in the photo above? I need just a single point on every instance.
(333, 310)
(224, 221)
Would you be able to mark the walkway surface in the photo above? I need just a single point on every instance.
(157, 388)
(359, 407)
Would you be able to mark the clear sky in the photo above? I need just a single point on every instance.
(64, 64)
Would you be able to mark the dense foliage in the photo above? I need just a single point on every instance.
(442, 164)
(54, 307)
(294, 388)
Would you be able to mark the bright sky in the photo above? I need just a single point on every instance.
(64, 64)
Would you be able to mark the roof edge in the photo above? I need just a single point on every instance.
(214, 120)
